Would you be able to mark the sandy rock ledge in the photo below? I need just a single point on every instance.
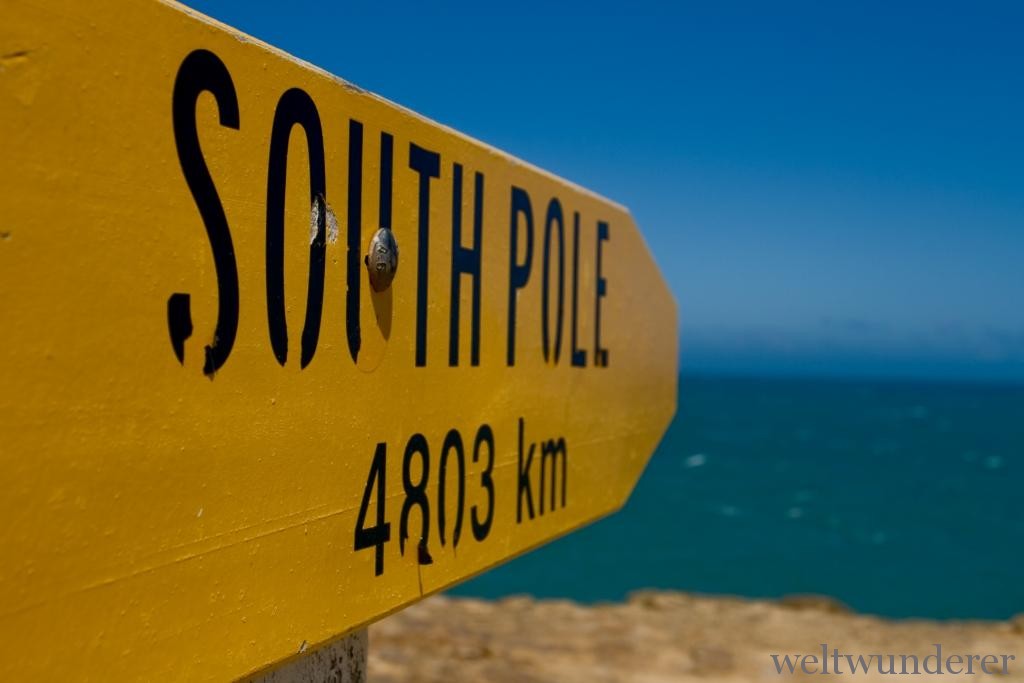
(657, 637)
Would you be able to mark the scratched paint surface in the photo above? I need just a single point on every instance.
(192, 456)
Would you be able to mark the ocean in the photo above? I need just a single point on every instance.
(902, 499)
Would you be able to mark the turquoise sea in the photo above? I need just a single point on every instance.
(898, 498)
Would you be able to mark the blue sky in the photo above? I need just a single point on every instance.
(829, 187)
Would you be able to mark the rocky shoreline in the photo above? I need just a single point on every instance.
(657, 637)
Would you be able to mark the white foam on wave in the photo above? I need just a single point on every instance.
(696, 460)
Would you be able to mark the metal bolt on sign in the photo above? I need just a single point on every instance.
(382, 260)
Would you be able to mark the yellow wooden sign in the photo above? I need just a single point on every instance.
(220, 444)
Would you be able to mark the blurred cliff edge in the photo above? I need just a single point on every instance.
(657, 637)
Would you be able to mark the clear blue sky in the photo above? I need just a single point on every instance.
(834, 187)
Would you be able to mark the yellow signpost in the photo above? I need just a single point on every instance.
(226, 434)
